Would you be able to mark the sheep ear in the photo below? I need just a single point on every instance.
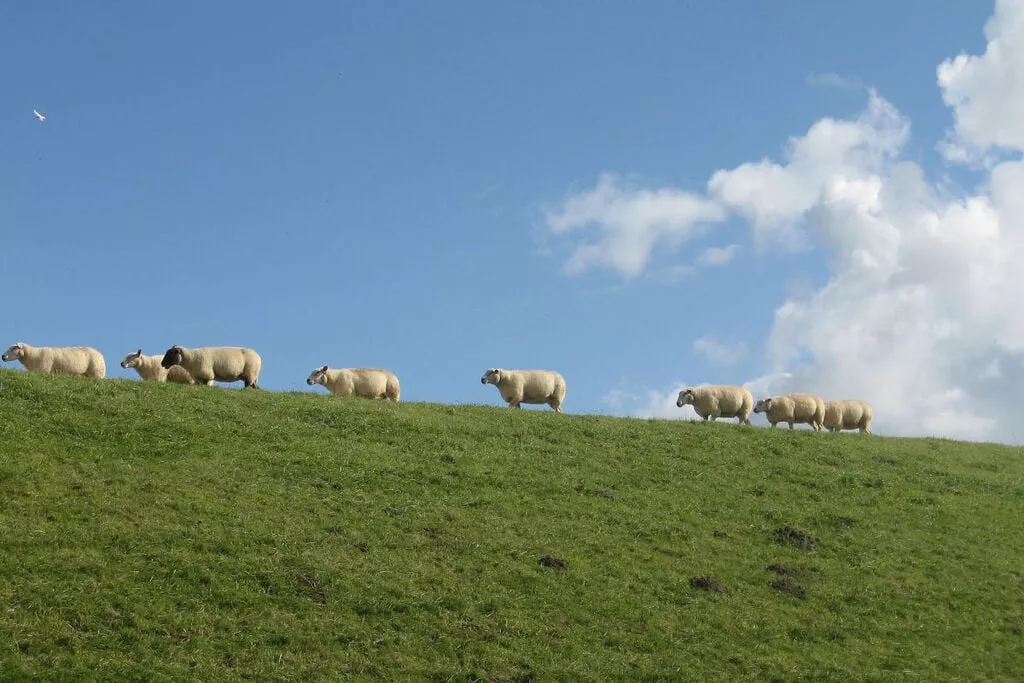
(139, 352)
(323, 369)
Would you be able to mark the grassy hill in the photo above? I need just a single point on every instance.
(166, 532)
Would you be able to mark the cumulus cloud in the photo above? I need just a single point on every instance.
(985, 91)
(920, 314)
(775, 198)
(629, 224)
(721, 354)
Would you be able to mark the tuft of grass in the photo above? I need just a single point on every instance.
(190, 533)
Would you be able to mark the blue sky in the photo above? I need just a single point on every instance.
(371, 184)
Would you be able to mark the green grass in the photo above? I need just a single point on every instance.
(164, 532)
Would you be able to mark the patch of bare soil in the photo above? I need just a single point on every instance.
(790, 587)
(554, 562)
(707, 583)
(783, 570)
(799, 538)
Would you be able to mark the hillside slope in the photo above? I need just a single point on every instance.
(190, 533)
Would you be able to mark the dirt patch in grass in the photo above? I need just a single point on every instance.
(790, 587)
(707, 583)
(787, 535)
(554, 562)
(783, 570)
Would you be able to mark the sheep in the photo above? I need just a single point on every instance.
(220, 363)
(372, 383)
(713, 402)
(150, 369)
(802, 408)
(848, 414)
(61, 360)
(527, 386)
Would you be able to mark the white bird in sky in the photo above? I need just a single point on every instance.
(38, 115)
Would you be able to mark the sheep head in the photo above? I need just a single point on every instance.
(14, 352)
(172, 357)
(763, 406)
(492, 376)
(318, 376)
(686, 398)
(132, 359)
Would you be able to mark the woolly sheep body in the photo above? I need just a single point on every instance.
(150, 370)
(527, 386)
(790, 408)
(60, 360)
(713, 402)
(216, 363)
(372, 383)
(848, 414)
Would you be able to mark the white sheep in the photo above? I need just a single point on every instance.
(370, 383)
(220, 363)
(150, 370)
(61, 360)
(802, 408)
(528, 386)
(848, 414)
(715, 401)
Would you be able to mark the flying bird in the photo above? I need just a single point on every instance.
(38, 115)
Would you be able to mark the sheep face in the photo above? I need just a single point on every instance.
(131, 360)
(685, 398)
(14, 353)
(492, 376)
(318, 376)
(172, 357)
(763, 406)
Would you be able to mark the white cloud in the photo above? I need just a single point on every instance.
(920, 315)
(630, 223)
(714, 257)
(775, 198)
(986, 92)
(718, 353)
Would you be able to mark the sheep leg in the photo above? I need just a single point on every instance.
(790, 425)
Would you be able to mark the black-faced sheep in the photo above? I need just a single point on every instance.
(216, 363)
